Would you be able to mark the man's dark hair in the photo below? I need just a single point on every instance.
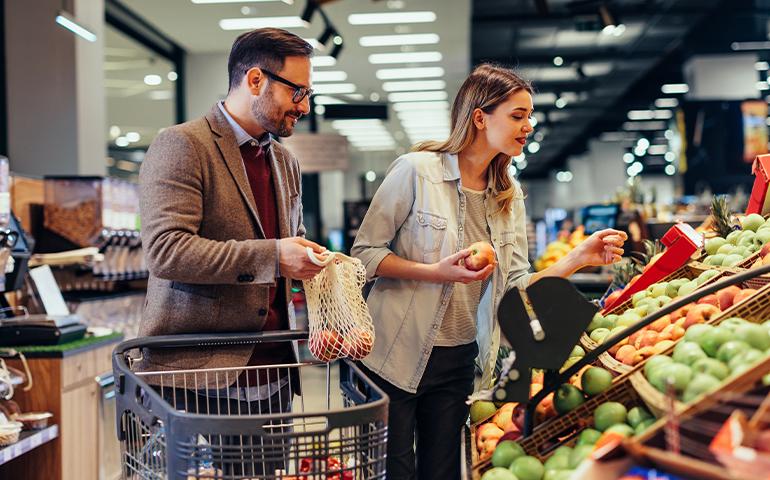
(264, 48)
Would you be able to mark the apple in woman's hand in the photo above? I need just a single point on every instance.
(482, 254)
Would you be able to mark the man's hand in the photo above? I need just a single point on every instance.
(452, 269)
(294, 262)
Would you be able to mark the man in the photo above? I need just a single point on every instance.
(222, 230)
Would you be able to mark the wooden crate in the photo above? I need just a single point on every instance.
(754, 309)
(688, 271)
(715, 407)
(616, 367)
(565, 429)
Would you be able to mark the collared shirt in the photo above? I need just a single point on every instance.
(418, 213)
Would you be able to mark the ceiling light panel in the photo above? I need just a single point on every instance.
(323, 61)
(261, 22)
(415, 85)
(417, 72)
(417, 96)
(386, 18)
(421, 106)
(405, 39)
(405, 57)
(329, 76)
(334, 88)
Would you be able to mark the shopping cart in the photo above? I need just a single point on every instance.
(240, 422)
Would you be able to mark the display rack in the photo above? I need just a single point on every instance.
(28, 441)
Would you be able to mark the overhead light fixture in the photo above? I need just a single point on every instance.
(417, 72)
(657, 150)
(121, 142)
(307, 14)
(370, 176)
(261, 22)
(391, 17)
(669, 156)
(152, 80)
(323, 61)
(650, 114)
(327, 100)
(628, 157)
(558, 61)
(762, 86)
(334, 88)
(65, 20)
(644, 126)
(666, 103)
(133, 137)
(670, 170)
(414, 85)
(327, 34)
(338, 45)
(417, 96)
(738, 46)
(203, 2)
(533, 147)
(172, 76)
(560, 102)
(404, 39)
(674, 88)
(762, 66)
(564, 176)
(329, 76)
(421, 106)
(405, 57)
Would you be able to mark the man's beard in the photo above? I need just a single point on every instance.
(270, 117)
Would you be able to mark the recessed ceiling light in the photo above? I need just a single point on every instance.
(417, 72)
(133, 136)
(390, 40)
(334, 88)
(391, 17)
(121, 141)
(670, 169)
(666, 103)
(114, 131)
(405, 57)
(152, 79)
(325, 100)
(323, 61)
(762, 66)
(172, 76)
(672, 88)
(558, 61)
(411, 86)
(329, 76)
(417, 96)
(262, 22)
(421, 106)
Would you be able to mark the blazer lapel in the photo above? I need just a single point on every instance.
(278, 167)
(226, 144)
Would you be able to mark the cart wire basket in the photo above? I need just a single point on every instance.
(246, 422)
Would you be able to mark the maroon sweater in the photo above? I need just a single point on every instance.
(263, 189)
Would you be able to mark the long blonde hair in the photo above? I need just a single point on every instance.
(486, 87)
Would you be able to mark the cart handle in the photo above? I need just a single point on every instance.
(209, 339)
(590, 357)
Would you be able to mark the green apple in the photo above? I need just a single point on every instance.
(673, 287)
(599, 334)
(743, 251)
(644, 426)
(752, 222)
(637, 415)
(663, 300)
(635, 298)
(595, 380)
(732, 260)
(675, 373)
(726, 249)
(766, 324)
(764, 235)
(711, 366)
(627, 319)
(643, 309)
(731, 349)
(713, 244)
(567, 397)
(527, 468)
(732, 323)
(622, 429)
(608, 414)
(561, 474)
(613, 332)
(713, 339)
(657, 289)
(746, 238)
(688, 353)
(753, 334)
(654, 362)
(753, 248)
(579, 453)
(706, 276)
(687, 288)
(569, 362)
(498, 473)
(732, 237)
(693, 333)
(596, 322)
(589, 436)
(482, 409)
(506, 452)
(577, 351)
(715, 259)
(745, 360)
(700, 384)
(563, 450)
(557, 462)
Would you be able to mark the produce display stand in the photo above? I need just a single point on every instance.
(759, 202)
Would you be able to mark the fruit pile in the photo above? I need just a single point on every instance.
(662, 333)
(557, 250)
(707, 356)
(738, 245)
(611, 421)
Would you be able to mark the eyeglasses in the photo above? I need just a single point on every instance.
(299, 92)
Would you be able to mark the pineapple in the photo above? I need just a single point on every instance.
(721, 218)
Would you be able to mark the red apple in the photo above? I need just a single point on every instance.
(765, 250)
(681, 313)
(649, 339)
(661, 323)
(710, 299)
(700, 314)
(726, 296)
(743, 295)
(511, 435)
(487, 432)
(326, 346)
(518, 416)
(612, 297)
(482, 254)
(358, 344)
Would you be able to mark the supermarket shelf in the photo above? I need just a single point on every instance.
(28, 440)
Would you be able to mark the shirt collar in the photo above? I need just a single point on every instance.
(452, 170)
(241, 136)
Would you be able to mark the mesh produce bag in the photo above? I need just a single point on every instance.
(340, 324)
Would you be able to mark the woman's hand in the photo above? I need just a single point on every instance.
(452, 269)
(602, 248)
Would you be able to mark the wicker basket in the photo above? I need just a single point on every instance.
(651, 446)
(754, 309)
(565, 429)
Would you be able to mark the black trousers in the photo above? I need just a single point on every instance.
(434, 416)
(236, 454)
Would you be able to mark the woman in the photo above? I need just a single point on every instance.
(433, 316)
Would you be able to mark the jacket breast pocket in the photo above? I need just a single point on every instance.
(508, 247)
(430, 233)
